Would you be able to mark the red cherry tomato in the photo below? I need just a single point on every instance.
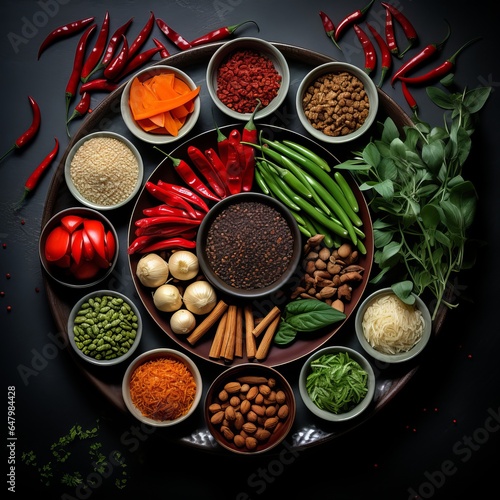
(57, 244)
(71, 222)
(96, 234)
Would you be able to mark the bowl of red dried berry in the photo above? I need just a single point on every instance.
(249, 245)
(245, 73)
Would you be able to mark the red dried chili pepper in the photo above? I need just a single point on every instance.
(169, 198)
(234, 168)
(142, 36)
(185, 193)
(172, 35)
(166, 219)
(206, 169)
(101, 84)
(422, 56)
(164, 229)
(438, 72)
(30, 132)
(33, 179)
(63, 32)
(187, 174)
(137, 61)
(164, 53)
(350, 19)
(409, 97)
(390, 36)
(168, 244)
(96, 53)
(115, 39)
(219, 34)
(112, 70)
(217, 163)
(408, 29)
(368, 49)
(329, 28)
(165, 209)
(385, 54)
(139, 243)
(74, 79)
(81, 109)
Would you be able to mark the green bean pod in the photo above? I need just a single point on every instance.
(261, 183)
(304, 151)
(270, 180)
(346, 189)
(293, 181)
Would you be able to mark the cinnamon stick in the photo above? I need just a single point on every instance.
(229, 334)
(266, 321)
(216, 347)
(238, 348)
(208, 322)
(267, 339)
(250, 344)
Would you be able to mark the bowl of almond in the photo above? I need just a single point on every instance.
(249, 408)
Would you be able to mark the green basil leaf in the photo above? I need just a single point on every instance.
(371, 155)
(305, 306)
(390, 131)
(440, 98)
(430, 216)
(315, 319)
(432, 154)
(285, 334)
(476, 98)
(403, 291)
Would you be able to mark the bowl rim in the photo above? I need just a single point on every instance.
(284, 384)
(360, 407)
(158, 138)
(71, 319)
(279, 61)
(201, 247)
(370, 88)
(161, 352)
(69, 158)
(392, 358)
(43, 236)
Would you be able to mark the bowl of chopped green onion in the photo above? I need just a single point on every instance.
(337, 383)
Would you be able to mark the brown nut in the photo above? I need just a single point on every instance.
(249, 427)
(283, 411)
(239, 440)
(262, 434)
(227, 432)
(230, 414)
(280, 397)
(251, 443)
(217, 418)
(259, 410)
(245, 406)
(232, 387)
(271, 423)
(252, 393)
(264, 389)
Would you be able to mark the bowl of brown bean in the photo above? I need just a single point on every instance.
(249, 245)
(104, 170)
(243, 72)
(337, 102)
(250, 408)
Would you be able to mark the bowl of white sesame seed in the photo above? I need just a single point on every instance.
(104, 170)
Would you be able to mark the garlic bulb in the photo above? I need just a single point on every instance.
(183, 265)
(152, 270)
(200, 297)
(167, 298)
(182, 321)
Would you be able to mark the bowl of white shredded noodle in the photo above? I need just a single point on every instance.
(391, 330)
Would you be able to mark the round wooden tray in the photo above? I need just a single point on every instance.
(307, 430)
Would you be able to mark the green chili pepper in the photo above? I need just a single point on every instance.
(308, 154)
(346, 189)
(275, 188)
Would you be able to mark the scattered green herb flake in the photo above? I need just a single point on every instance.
(336, 383)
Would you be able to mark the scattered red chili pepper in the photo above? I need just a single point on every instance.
(30, 132)
(368, 49)
(172, 35)
(168, 244)
(408, 29)
(63, 32)
(390, 36)
(169, 198)
(112, 70)
(81, 109)
(438, 72)
(206, 169)
(350, 19)
(142, 36)
(33, 179)
(74, 79)
(385, 54)
(422, 56)
(164, 53)
(99, 84)
(96, 53)
(219, 34)
(329, 28)
(137, 61)
(185, 193)
(409, 97)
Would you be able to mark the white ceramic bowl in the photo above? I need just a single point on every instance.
(139, 132)
(402, 356)
(360, 407)
(153, 355)
(262, 47)
(65, 275)
(335, 67)
(100, 328)
(79, 196)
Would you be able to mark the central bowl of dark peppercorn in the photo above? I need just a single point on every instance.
(249, 245)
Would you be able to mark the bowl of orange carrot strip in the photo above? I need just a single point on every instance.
(162, 387)
(160, 104)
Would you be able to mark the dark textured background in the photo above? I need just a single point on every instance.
(438, 438)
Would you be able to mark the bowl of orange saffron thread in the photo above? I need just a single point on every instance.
(162, 387)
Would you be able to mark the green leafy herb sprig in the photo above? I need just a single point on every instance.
(423, 204)
(305, 315)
